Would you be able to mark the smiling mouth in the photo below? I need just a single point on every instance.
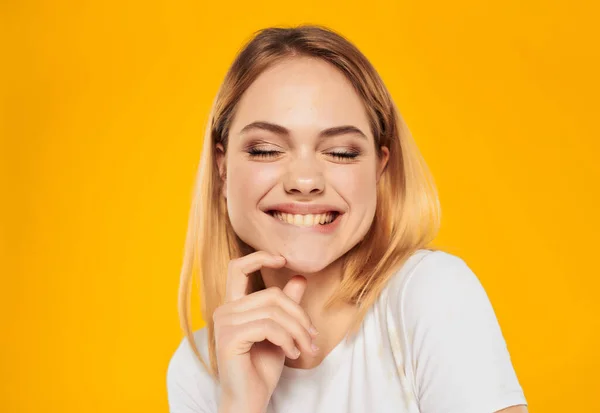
(305, 220)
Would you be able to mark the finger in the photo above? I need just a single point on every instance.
(295, 288)
(299, 333)
(239, 269)
(265, 329)
(274, 296)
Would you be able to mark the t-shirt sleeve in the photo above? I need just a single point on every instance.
(190, 389)
(459, 357)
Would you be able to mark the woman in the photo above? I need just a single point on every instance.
(310, 226)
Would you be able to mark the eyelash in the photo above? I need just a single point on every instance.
(258, 153)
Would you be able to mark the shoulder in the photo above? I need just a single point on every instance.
(188, 381)
(426, 266)
(184, 360)
(428, 279)
(457, 356)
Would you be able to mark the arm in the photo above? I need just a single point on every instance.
(458, 355)
(514, 409)
(190, 389)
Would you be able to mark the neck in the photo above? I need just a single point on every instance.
(332, 323)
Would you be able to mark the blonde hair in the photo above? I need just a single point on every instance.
(407, 216)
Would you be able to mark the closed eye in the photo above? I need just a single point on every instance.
(344, 155)
(258, 153)
(262, 154)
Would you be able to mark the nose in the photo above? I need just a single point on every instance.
(304, 177)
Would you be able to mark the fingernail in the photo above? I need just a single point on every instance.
(297, 352)
(313, 330)
(314, 347)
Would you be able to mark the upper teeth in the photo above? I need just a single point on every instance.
(304, 220)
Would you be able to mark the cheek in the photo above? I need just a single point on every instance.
(248, 183)
(358, 187)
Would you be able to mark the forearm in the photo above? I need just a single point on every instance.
(228, 405)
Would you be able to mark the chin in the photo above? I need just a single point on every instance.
(304, 268)
(304, 265)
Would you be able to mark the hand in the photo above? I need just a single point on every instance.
(255, 332)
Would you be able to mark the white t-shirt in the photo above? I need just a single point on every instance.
(431, 343)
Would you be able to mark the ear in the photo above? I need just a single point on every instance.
(383, 160)
(221, 166)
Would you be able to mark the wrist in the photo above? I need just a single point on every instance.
(229, 405)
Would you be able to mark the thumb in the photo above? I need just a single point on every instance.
(295, 288)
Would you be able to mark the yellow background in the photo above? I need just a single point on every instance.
(104, 106)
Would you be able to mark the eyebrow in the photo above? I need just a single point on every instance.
(325, 133)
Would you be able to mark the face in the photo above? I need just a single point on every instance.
(300, 144)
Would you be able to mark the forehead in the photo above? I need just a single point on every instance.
(304, 95)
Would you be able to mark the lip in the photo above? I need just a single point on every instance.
(303, 209)
(323, 229)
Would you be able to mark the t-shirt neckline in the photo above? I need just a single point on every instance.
(335, 356)
(330, 361)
